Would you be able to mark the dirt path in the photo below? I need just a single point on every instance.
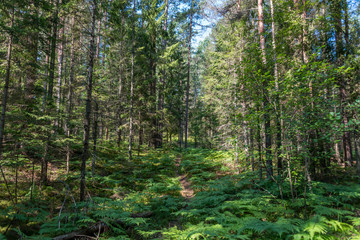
(187, 192)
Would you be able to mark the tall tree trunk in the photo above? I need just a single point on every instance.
(95, 131)
(259, 142)
(269, 167)
(277, 100)
(120, 107)
(346, 22)
(5, 99)
(236, 119)
(252, 149)
(70, 94)
(53, 52)
(154, 138)
(132, 86)
(343, 94)
(96, 112)
(50, 85)
(162, 79)
(357, 151)
(47, 59)
(188, 77)
(87, 120)
(60, 70)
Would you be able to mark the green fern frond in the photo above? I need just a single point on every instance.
(340, 226)
(316, 225)
(85, 221)
(256, 225)
(301, 236)
(204, 231)
(327, 211)
(355, 221)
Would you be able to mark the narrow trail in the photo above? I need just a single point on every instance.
(187, 192)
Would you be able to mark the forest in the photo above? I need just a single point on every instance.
(169, 119)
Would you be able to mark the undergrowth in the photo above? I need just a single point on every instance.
(141, 200)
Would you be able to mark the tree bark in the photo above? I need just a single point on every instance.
(132, 85)
(5, 99)
(95, 130)
(269, 167)
(70, 94)
(188, 77)
(53, 52)
(50, 85)
(60, 70)
(96, 111)
(277, 100)
(343, 94)
(87, 120)
(162, 79)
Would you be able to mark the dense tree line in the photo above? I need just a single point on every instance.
(281, 78)
(92, 73)
(277, 82)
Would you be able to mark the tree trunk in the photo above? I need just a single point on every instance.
(87, 120)
(269, 167)
(5, 99)
(47, 59)
(162, 79)
(132, 86)
(50, 85)
(53, 53)
(277, 100)
(95, 130)
(346, 22)
(6, 87)
(258, 138)
(252, 149)
(96, 112)
(188, 78)
(70, 94)
(357, 155)
(60, 70)
(343, 94)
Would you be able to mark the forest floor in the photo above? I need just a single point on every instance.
(188, 194)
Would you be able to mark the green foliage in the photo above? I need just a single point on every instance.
(226, 205)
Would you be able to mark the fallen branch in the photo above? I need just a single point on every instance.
(102, 227)
(98, 227)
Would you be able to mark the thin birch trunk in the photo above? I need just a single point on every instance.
(60, 70)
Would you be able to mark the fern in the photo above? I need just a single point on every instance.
(355, 221)
(316, 225)
(339, 226)
(204, 231)
(327, 211)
